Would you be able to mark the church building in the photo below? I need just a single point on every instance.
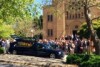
(58, 21)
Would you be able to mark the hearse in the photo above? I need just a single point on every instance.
(31, 47)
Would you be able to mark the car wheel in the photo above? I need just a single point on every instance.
(52, 56)
(14, 52)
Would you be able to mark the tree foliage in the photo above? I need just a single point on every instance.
(26, 28)
(83, 32)
(10, 9)
(38, 22)
(6, 30)
(23, 28)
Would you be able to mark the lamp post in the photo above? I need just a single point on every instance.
(89, 15)
(32, 32)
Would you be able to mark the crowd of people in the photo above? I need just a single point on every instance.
(6, 44)
(69, 44)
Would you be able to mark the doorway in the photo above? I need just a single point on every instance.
(74, 32)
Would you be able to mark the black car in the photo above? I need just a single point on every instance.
(27, 47)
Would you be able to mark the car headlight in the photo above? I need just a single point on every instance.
(59, 53)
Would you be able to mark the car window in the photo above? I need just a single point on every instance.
(47, 46)
(24, 44)
(40, 46)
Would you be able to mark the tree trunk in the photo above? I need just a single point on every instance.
(91, 30)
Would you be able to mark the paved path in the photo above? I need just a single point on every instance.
(6, 65)
(29, 61)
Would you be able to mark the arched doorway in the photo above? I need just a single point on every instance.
(74, 31)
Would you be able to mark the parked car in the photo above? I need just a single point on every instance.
(27, 47)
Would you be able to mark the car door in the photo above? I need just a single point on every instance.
(23, 47)
(32, 50)
(19, 48)
(41, 51)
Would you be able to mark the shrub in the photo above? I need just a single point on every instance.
(94, 61)
(90, 63)
(77, 58)
(84, 60)
(1, 50)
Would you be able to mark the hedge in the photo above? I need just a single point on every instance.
(84, 60)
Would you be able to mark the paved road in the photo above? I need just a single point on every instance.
(10, 65)
(13, 65)
(29, 61)
(7, 65)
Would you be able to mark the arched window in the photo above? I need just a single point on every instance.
(76, 26)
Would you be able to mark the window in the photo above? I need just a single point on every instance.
(49, 17)
(82, 14)
(24, 44)
(73, 16)
(50, 32)
(70, 16)
(76, 15)
(67, 14)
(40, 46)
(73, 2)
(76, 26)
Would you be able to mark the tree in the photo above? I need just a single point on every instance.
(38, 22)
(38, 25)
(10, 9)
(19, 12)
(85, 5)
(26, 28)
(41, 22)
(23, 28)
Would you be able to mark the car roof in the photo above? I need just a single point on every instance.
(25, 40)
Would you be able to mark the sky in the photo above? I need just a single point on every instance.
(39, 2)
(42, 2)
